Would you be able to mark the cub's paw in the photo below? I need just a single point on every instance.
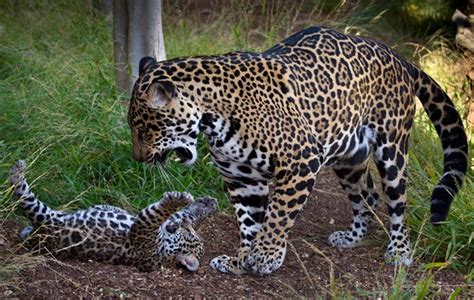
(17, 173)
(202, 207)
(25, 233)
(177, 198)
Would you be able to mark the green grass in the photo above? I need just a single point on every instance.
(59, 109)
(452, 242)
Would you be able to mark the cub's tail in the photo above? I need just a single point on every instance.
(38, 212)
(448, 125)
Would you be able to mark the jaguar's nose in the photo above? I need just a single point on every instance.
(137, 144)
(137, 155)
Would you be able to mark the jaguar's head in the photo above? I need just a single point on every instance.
(177, 239)
(162, 117)
(180, 243)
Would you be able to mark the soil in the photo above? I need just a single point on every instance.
(312, 268)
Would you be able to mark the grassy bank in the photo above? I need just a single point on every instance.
(59, 109)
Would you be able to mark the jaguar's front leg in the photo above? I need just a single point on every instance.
(249, 198)
(293, 187)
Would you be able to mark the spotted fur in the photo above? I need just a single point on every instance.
(318, 99)
(159, 234)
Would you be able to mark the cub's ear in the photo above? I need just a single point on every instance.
(145, 63)
(160, 93)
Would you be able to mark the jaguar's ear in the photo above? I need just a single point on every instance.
(145, 63)
(160, 93)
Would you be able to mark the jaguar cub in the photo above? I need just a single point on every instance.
(160, 233)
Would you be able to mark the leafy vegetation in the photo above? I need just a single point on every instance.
(59, 108)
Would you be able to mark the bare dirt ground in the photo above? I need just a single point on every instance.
(311, 268)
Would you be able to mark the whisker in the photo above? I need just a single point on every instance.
(176, 179)
(165, 177)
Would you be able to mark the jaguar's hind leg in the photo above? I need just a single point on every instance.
(196, 211)
(38, 212)
(356, 181)
(142, 235)
(391, 160)
(358, 184)
(155, 214)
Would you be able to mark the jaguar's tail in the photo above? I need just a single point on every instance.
(448, 125)
(38, 212)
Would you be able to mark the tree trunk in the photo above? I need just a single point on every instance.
(136, 37)
(154, 42)
(120, 36)
(137, 33)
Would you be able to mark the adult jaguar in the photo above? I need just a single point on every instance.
(318, 99)
(159, 234)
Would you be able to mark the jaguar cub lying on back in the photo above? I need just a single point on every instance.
(160, 233)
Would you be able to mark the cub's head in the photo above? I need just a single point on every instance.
(177, 239)
(162, 117)
(178, 242)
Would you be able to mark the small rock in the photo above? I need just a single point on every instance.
(201, 272)
(331, 221)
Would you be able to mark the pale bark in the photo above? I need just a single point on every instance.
(136, 49)
(154, 44)
(120, 36)
(143, 37)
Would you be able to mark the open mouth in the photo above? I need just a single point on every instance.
(184, 155)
